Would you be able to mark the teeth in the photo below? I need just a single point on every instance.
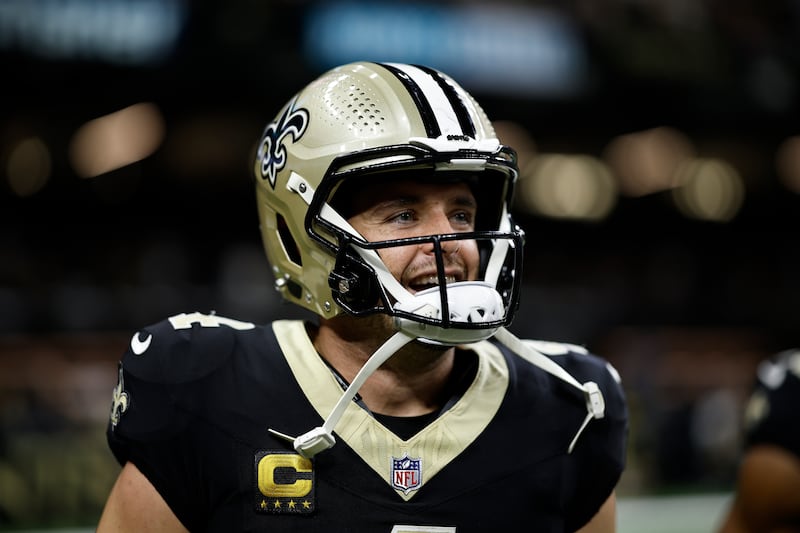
(434, 280)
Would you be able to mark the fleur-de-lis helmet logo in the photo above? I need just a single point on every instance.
(272, 150)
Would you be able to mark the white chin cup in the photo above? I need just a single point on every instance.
(469, 303)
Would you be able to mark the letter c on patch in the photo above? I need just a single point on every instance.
(283, 475)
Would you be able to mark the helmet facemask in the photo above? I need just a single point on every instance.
(449, 311)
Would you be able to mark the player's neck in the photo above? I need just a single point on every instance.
(410, 383)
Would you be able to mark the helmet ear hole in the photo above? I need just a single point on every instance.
(295, 290)
(288, 242)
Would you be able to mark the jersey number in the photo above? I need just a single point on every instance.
(184, 321)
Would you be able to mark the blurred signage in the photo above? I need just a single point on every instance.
(132, 32)
(492, 47)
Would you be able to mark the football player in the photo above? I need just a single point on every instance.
(767, 495)
(383, 196)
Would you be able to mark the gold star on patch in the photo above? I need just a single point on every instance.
(276, 504)
(292, 505)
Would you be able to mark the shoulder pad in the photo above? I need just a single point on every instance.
(575, 355)
(777, 384)
(772, 372)
(554, 348)
(182, 348)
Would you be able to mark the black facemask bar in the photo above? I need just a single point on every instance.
(356, 287)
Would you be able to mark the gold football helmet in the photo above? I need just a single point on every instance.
(369, 121)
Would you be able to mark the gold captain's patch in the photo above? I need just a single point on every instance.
(284, 483)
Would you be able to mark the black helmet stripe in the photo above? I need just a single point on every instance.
(464, 117)
(432, 128)
(448, 114)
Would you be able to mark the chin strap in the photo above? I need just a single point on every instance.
(595, 404)
(321, 438)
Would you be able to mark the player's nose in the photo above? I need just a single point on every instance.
(440, 224)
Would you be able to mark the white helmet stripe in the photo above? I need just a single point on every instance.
(444, 113)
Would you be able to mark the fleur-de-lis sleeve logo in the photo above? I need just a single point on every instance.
(119, 400)
(272, 149)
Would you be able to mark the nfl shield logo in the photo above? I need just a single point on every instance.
(406, 473)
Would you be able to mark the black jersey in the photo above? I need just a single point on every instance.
(198, 394)
(771, 416)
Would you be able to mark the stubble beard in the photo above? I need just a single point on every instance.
(368, 333)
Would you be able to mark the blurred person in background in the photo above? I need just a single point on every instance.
(767, 494)
(383, 196)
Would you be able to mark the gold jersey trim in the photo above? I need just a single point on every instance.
(437, 444)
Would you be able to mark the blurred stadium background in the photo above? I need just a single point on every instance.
(660, 153)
